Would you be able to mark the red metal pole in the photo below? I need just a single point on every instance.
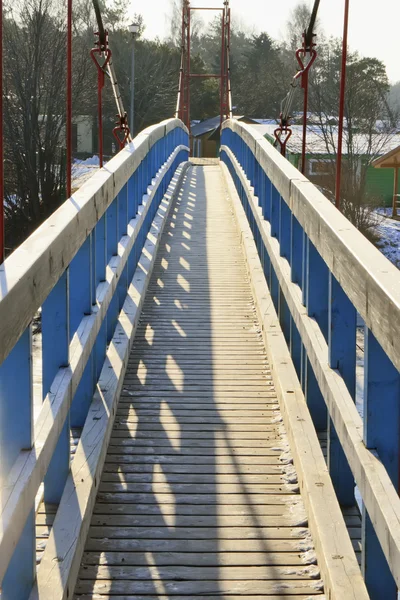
(305, 111)
(2, 256)
(228, 106)
(69, 98)
(188, 69)
(222, 70)
(100, 114)
(341, 106)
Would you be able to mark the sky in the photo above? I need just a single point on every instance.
(373, 27)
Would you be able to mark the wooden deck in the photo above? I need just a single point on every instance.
(199, 497)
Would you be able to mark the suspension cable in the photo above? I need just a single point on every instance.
(1, 141)
(108, 68)
(341, 107)
(69, 99)
(305, 57)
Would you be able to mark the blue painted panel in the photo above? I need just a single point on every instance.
(295, 347)
(275, 212)
(268, 199)
(112, 317)
(381, 433)
(315, 400)
(275, 290)
(285, 233)
(123, 211)
(112, 229)
(55, 355)
(318, 288)
(304, 270)
(20, 575)
(381, 398)
(132, 197)
(296, 252)
(100, 256)
(16, 420)
(342, 334)
(16, 402)
(378, 578)
(342, 356)
(284, 317)
(80, 287)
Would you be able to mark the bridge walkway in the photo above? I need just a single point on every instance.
(198, 496)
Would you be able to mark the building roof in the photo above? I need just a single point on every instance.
(206, 126)
(316, 143)
(212, 124)
(390, 160)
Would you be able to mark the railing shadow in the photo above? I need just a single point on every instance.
(157, 524)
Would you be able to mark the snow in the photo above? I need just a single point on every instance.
(389, 231)
(82, 170)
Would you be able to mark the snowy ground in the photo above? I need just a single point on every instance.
(82, 170)
(389, 230)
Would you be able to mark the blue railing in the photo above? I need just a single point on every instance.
(321, 272)
(76, 268)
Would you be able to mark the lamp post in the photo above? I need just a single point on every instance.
(134, 29)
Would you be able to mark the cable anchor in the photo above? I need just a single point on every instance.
(121, 131)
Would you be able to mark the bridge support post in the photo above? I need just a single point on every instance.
(275, 210)
(342, 356)
(55, 355)
(315, 286)
(16, 434)
(381, 433)
(80, 305)
(296, 252)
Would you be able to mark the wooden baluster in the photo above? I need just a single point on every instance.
(382, 434)
(80, 304)
(123, 230)
(342, 356)
(317, 285)
(112, 249)
(285, 230)
(55, 356)
(16, 434)
(296, 251)
(99, 270)
(275, 210)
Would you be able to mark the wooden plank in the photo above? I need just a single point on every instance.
(20, 489)
(201, 471)
(73, 518)
(196, 559)
(263, 588)
(216, 498)
(222, 510)
(183, 573)
(209, 597)
(29, 274)
(198, 488)
(338, 563)
(246, 522)
(202, 546)
(244, 470)
(380, 496)
(197, 533)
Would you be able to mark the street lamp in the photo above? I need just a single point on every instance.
(134, 29)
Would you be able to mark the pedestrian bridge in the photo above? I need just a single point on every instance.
(178, 350)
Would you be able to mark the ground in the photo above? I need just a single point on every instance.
(389, 230)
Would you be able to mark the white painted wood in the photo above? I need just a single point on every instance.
(338, 563)
(18, 492)
(376, 488)
(370, 281)
(61, 559)
(29, 274)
